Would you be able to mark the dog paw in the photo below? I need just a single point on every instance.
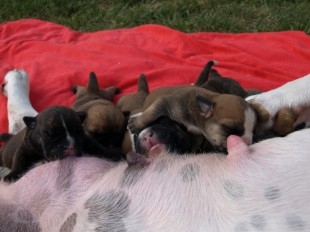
(133, 125)
(11, 177)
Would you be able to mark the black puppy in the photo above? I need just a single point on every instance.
(174, 136)
(211, 80)
(53, 134)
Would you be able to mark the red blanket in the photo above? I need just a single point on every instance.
(56, 57)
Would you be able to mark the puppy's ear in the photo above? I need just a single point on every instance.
(142, 84)
(82, 116)
(204, 75)
(205, 105)
(93, 86)
(30, 122)
(110, 92)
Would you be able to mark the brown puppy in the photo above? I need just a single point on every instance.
(105, 122)
(210, 79)
(213, 115)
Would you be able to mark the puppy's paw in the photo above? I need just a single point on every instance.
(11, 177)
(134, 126)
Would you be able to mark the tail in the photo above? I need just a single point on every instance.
(204, 75)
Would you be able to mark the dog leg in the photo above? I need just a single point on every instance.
(16, 89)
(152, 113)
(19, 167)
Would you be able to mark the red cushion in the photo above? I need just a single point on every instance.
(56, 57)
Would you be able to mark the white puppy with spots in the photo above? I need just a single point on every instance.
(16, 88)
(262, 187)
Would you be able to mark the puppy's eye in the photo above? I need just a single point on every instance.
(236, 129)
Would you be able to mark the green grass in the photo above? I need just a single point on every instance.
(184, 15)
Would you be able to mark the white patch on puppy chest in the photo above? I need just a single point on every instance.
(249, 123)
(69, 137)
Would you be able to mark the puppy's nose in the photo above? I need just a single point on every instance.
(70, 150)
(146, 135)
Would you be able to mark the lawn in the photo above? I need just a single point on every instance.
(184, 15)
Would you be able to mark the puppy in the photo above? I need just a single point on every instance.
(16, 88)
(129, 104)
(105, 122)
(211, 80)
(169, 134)
(202, 112)
(53, 134)
(283, 109)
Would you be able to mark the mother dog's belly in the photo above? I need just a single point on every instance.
(264, 187)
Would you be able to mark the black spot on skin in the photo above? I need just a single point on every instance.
(16, 218)
(295, 222)
(161, 166)
(108, 210)
(69, 224)
(241, 227)
(258, 222)
(132, 175)
(189, 172)
(272, 193)
(65, 170)
(24, 215)
(234, 189)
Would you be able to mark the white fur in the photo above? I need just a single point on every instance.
(249, 123)
(263, 187)
(294, 94)
(16, 89)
